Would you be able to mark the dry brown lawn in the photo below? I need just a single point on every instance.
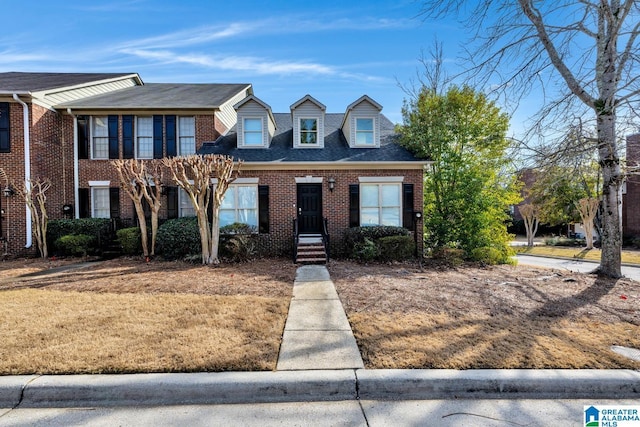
(407, 316)
(129, 316)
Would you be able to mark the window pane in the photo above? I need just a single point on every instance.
(364, 138)
(253, 138)
(186, 207)
(248, 216)
(227, 216)
(391, 195)
(364, 124)
(253, 125)
(246, 197)
(228, 201)
(369, 195)
(100, 202)
(391, 216)
(369, 216)
(308, 125)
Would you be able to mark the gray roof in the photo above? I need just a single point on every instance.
(162, 96)
(336, 148)
(18, 82)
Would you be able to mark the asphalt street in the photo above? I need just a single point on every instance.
(573, 265)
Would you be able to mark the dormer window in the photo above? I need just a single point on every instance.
(252, 131)
(308, 131)
(364, 131)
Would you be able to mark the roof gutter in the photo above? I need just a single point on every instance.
(27, 167)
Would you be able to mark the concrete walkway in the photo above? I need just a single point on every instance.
(317, 334)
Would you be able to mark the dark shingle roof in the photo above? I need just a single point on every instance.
(336, 148)
(162, 95)
(19, 82)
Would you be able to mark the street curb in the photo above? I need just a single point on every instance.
(394, 384)
(60, 391)
(624, 264)
(188, 388)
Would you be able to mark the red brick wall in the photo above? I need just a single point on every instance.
(631, 200)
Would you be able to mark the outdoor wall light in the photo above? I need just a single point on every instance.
(332, 183)
(8, 191)
(417, 214)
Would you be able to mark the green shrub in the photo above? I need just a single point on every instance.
(355, 237)
(487, 255)
(98, 228)
(75, 244)
(365, 251)
(236, 242)
(178, 238)
(130, 241)
(395, 248)
(237, 228)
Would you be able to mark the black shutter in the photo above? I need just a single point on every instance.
(5, 124)
(263, 208)
(83, 137)
(157, 137)
(172, 202)
(114, 202)
(83, 203)
(354, 205)
(113, 137)
(407, 206)
(127, 137)
(172, 145)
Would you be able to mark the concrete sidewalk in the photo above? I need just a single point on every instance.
(317, 334)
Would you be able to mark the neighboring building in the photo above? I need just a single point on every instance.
(631, 191)
(67, 126)
(306, 165)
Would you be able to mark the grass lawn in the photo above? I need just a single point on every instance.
(128, 316)
(628, 257)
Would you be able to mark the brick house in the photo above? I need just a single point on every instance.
(631, 191)
(306, 165)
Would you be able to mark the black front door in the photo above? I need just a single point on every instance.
(309, 208)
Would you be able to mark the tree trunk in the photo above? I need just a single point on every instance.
(215, 233)
(154, 230)
(204, 235)
(610, 261)
(143, 227)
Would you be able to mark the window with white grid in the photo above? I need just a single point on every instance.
(100, 138)
(186, 135)
(144, 137)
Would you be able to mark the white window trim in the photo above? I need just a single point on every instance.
(99, 183)
(137, 141)
(380, 207)
(376, 142)
(178, 129)
(305, 144)
(183, 193)
(214, 181)
(244, 142)
(92, 137)
(380, 179)
(309, 180)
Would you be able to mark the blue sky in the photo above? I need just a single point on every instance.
(334, 50)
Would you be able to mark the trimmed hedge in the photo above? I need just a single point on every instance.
(130, 240)
(75, 244)
(179, 238)
(97, 228)
(380, 242)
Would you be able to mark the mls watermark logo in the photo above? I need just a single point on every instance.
(612, 416)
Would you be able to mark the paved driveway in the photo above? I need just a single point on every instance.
(573, 265)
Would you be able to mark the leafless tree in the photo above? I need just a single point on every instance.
(591, 45)
(588, 209)
(194, 174)
(529, 214)
(33, 193)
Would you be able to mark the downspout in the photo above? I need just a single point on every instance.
(27, 167)
(76, 174)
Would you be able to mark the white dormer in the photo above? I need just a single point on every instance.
(307, 115)
(256, 124)
(361, 123)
